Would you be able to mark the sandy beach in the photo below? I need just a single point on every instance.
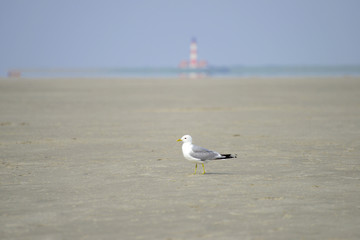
(98, 158)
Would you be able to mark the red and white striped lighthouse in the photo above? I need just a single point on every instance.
(193, 54)
(193, 62)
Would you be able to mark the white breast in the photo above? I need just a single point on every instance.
(187, 149)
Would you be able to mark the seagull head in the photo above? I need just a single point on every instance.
(185, 139)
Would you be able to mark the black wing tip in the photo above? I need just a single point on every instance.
(229, 155)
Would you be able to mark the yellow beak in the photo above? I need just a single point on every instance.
(179, 140)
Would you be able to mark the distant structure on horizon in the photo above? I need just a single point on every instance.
(14, 73)
(193, 63)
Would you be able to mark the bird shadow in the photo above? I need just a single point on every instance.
(215, 173)
(219, 173)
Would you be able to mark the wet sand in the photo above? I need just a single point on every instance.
(98, 158)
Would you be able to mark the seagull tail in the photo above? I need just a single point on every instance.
(226, 156)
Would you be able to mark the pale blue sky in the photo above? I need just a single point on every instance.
(153, 33)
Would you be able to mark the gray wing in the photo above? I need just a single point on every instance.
(203, 153)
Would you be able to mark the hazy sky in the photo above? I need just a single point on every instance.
(118, 33)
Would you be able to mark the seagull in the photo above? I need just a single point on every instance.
(198, 154)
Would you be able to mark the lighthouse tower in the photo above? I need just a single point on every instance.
(193, 54)
(193, 62)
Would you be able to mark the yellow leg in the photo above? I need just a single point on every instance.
(203, 169)
(195, 168)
